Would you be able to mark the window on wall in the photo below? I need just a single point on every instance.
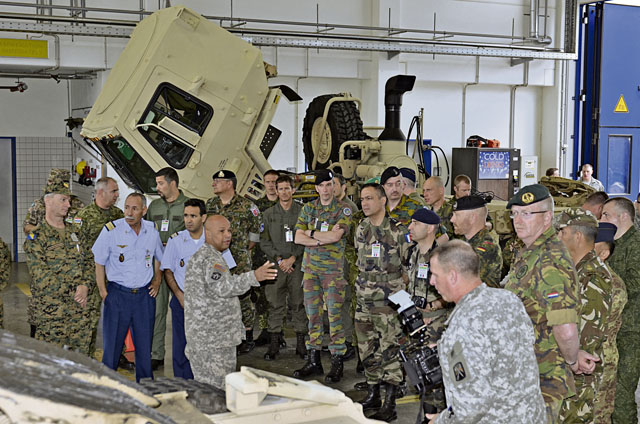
(173, 122)
(619, 168)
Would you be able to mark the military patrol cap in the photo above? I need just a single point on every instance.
(224, 174)
(408, 173)
(58, 175)
(426, 216)
(390, 172)
(606, 232)
(529, 195)
(58, 188)
(468, 203)
(323, 175)
(576, 216)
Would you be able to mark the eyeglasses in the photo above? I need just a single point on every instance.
(524, 215)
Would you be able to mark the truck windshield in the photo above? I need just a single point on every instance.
(128, 164)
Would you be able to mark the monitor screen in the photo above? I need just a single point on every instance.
(493, 165)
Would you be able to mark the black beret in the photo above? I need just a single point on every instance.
(390, 172)
(323, 175)
(468, 202)
(529, 195)
(408, 173)
(224, 174)
(606, 232)
(426, 216)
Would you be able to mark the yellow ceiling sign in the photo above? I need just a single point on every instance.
(621, 106)
(11, 47)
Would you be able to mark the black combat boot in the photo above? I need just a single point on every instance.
(247, 345)
(274, 347)
(350, 353)
(301, 349)
(263, 339)
(359, 365)
(312, 367)
(337, 368)
(388, 411)
(372, 400)
(281, 340)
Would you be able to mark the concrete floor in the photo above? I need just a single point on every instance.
(15, 298)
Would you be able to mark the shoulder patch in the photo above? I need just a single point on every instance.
(553, 294)
(254, 210)
(77, 220)
(262, 227)
(407, 237)
(174, 235)
(109, 225)
(32, 236)
(347, 211)
(219, 267)
(522, 271)
(459, 372)
(480, 249)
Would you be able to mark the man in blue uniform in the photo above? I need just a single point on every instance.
(180, 247)
(128, 281)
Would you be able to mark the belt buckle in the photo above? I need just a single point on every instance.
(134, 291)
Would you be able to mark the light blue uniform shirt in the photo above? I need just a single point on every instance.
(127, 256)
(179, 250)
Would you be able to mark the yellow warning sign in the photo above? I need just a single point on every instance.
(621, 106)
(10, 47)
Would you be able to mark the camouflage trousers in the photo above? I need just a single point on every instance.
(276, 294)
(625, 410)
(579, 408)
(606, 394)
(552, 408)
(262, 308)
(64, 332)
(326, 288)
(248, 311)
(212, 365)
(379, 338)
(1, 314)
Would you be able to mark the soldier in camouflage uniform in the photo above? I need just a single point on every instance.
(511, 248)
(433, 192)
(212, 316)
(258, 257)
(410, 191)
(321, 228)
(469, 218)
(5, 273)
(577, 229)
(399, 206)
(246, 226)
(35, 215)
(89, 222)
(606, 396)
(544, 278)
(382, 244)
(486, 353)
(59, 278)
(625, 261)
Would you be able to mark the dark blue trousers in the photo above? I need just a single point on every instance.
(181, 365)
(124, 308)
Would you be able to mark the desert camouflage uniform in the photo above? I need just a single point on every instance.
(57, 266)
(595, 280)
(257, 259)
(246, 226)
(487, 246)
(212, 317)
(377, 326)
(545, 280)
(88, 223)
(5, 272)
(323, 280)
(403, 211)
(488, 363)
(625, 261)
(509, 253)
(606, 396)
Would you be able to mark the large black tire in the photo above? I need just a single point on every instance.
(344, 123)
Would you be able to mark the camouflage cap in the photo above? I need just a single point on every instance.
(529, 195)
(224, 174)
(61, 187)
(322, 176)
(426, 216)
(606, 232)
(468, 202)
(408, 173)
(390, 172)
(58, 175)
(576, 216)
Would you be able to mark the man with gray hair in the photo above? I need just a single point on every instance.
(489, 367)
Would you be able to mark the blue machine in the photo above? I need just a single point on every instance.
(607, 108)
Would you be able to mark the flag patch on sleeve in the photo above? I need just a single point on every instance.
(552, 295)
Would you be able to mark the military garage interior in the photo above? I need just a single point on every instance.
(285, 211)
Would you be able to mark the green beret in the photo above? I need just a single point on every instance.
(529, 195)
(576, 216)
(373, 180)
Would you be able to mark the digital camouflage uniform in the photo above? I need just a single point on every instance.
(5, 272)
(403, 211)
(323, 280)
(487, 246)
(88, 223)
(57, 266)
(488, 363)
(350, 275)
(595, 281)
(168, 219)
(625, 261)
(544, 278)
(212, 317)
(257, 259)
(246, 226)
(380, 276)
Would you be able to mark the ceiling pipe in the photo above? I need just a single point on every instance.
(512, 112)
(464, 101)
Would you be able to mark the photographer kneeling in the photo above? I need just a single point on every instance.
(489, 368)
